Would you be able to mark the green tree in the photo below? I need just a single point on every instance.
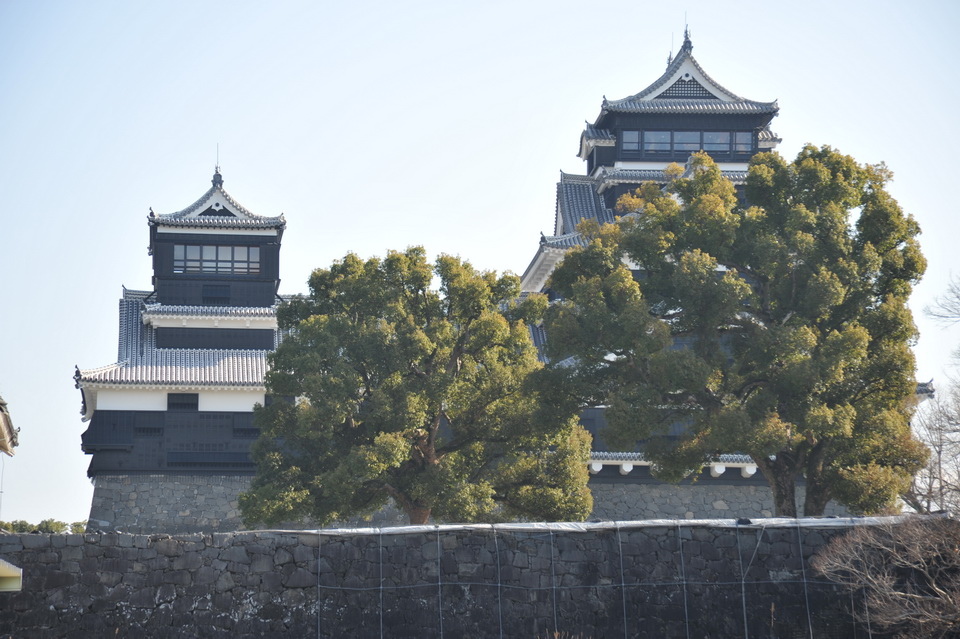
(52, 526)
(415, 394)
(779, 329)
(47, 526)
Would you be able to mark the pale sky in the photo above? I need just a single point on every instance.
(379, 125)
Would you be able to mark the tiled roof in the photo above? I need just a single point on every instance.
(614, 456)
(183, 367)
(539, 337)
(210, 311)
(680, 106)
(565, 241)
(578, 199)
(647, 101)
(208, 222)
(590, 132)
(205, 213)
(608, 174)
(766, 134)
(140, 362)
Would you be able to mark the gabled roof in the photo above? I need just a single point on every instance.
(141, 363)
(685, 88)
(216, 210)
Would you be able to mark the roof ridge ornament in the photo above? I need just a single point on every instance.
(687, 43)
(217, 180)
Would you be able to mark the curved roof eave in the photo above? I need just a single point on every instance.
(184, 217)
(628, 104)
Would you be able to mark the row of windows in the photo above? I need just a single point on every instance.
(668, 142)
(191, 402)
(239, 432)
(237, 260)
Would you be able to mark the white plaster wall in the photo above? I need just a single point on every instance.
(132, 399)
(229, 401)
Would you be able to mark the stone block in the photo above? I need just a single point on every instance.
(178, 577)
(304, 553)
(34, 541)
(235, 554)
(168, 547)
(300, 578)
(109, 578)
(261, 563)
(224, 582)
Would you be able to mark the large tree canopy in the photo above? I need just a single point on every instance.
(778, 328)
(415, 394)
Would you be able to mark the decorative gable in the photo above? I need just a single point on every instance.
(687, 87)
(216, 210)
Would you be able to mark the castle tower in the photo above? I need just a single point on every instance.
(635, 138)
(632, 141)
(171, 422)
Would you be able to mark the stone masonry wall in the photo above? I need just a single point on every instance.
(169, 503)
(176, 504)
(703, 500)
(641, 579)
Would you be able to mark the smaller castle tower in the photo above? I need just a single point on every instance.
(171, 422)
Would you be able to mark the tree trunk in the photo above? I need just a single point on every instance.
(817, 497)
(417, 516)
(783, 484)
(817, 493)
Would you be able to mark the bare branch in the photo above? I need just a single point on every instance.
(946, 308)
(907, 574)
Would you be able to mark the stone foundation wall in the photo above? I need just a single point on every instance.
(655, 579)
(177, 504)
(703, 500)
(167, 503)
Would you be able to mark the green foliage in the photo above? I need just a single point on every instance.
(47, 526)
(779, 329)
(415, 394)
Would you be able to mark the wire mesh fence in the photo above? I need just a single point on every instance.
(661, 579)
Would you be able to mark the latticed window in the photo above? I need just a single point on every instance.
(236, 260)
(183, 401)
(665, 143)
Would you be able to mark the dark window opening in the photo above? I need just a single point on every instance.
(218, 294)
(183, 401)
(240, 338)
(246, 433)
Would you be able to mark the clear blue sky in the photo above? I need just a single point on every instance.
(377, 125)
